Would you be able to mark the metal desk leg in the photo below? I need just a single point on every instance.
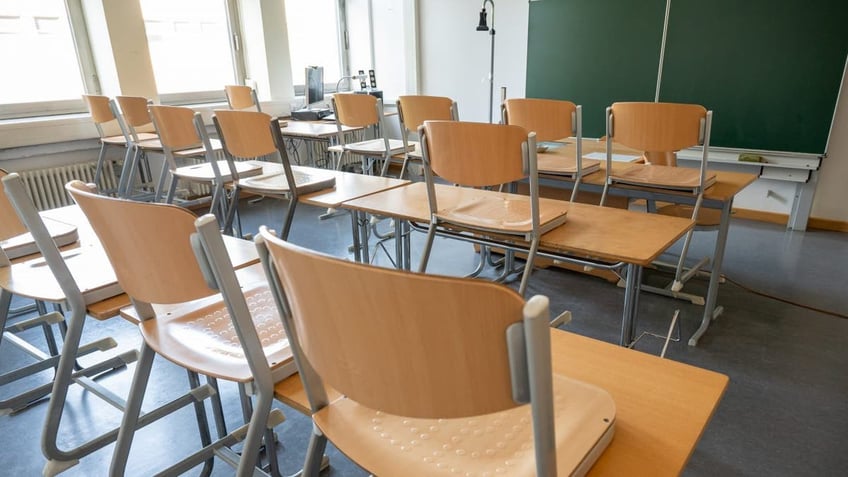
(406, 239)
(364, 231)
(711, 311)
(357, 247)
(631, 303)
(399, 261)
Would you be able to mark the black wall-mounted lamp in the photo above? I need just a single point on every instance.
(484, 26)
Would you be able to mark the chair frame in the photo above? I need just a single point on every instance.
(103, 110)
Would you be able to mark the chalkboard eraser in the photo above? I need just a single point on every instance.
(747, 157)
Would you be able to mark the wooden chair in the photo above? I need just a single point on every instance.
(662, 129)
(413, 110)
(178, 132)
(112, 132)
(149, 246)
(551, 120)
(72, 282)
(242, 98)
(415, 401)
(255, 135)
(363, 111)
(139, 128)
(487, 155)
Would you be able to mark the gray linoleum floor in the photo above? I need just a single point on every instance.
(784, 412)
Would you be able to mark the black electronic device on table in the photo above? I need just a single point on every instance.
(314, 92)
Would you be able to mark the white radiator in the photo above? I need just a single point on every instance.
(46, 187)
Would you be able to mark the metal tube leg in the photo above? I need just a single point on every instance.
(98, 170)
(528, 267)
(399, 243)
(202, 423)
(172, 190)
(428, 245)
(231, 212)
(284, 233)
(314, 453)
(631, 294)
(677, 285)
(5, 305)
(255, 432)
(715, 276)
(357, 246)
(132, 411)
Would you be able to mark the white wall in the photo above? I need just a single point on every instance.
(831, 201)
(454, 57)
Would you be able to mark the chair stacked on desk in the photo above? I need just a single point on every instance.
(487, 155)
(413, 111)
(113, 133)
(180, 130)
(444, 418)
(139, 125)
(551, 120)
(364, 111)
(242, 98)
(149, 246)
(662, 129)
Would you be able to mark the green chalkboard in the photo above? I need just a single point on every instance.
(593, 52)
(769, 69)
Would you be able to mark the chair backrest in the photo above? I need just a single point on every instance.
(241, 97)
(175, 127)
(356, 110)
(148, 245)
(136, 116)
(657, 127)
(102, 112)
(550, 119)
(245, 134)
(475, 154)
(413, 110)
(10, 224)
(397, 341)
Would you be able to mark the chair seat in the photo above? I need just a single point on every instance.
(198, 151)
(497, 444)
(200, 336)
(203, 172)
(373, 147)
(150, 144)
(663, 177)
(114, 140)
(706, 217)
(413, 151)
(277, 183)
(501, 212)
(559, 165)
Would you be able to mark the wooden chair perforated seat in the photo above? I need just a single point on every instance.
(413, 110)
(408, 410)
(255, 135)
(552, 120)
(477, 155)
(363, 111)
(180, 131)
(138, 130)
(112, 132)
(660, 130)
(194, 329)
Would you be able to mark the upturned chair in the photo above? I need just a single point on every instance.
(487, 155)
(551, 120)
(187, 323)
(139, 126)
(112, 132)
(242, 98)
(660, 130)
(413, 110)
(364, 111)
(250, 135)
(178, 132)
(415, 400)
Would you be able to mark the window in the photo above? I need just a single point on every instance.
(41, 72)
(186, 40)
(313, 39)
